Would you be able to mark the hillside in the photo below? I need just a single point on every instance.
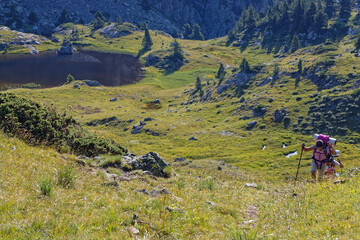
(225, 135)
(157, 14)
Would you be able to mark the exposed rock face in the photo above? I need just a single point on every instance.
(67, 48)
(113, 32)
(215, 17)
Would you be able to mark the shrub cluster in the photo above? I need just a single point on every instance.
(332, 115)
(39, 125)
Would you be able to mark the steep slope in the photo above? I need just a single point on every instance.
(215, 17)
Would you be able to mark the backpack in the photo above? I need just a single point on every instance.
(327, 160)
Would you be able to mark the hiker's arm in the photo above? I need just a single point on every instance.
(306, 149)
(332, 150)
(339, 164)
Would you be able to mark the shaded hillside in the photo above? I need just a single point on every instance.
(215, 17)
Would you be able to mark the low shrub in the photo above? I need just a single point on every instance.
(39, 125)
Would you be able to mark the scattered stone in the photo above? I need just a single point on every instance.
(271, 100)
(251, 124)
(298, 99)
(211, 203)
(133, 230)
(142, 123)
(180, 159)
(193, 139)
(76, 86)
(137, 130)
(143, 69)
(113, 99)
(3, 46)
(219, 168)
(148, 119)
(92, 83)
(154, 192)
(252, 185)
(157, 101)
(174, 209)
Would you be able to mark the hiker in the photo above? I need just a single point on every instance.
(330, 169)
(320, 157)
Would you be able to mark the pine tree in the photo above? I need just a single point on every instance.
(221, 72)
(245, 66)
(187, 31)
(147, 42)
(64, 17)
(196, 33)
(321, 21)
(298, 15)
(295, 44)
(198, 87)
(178, 52)
(345, 8)
(119, 19)
(310, 14)
(33, 17)
(330, 9)
(357, 43)
(252, 17)
(300, 67)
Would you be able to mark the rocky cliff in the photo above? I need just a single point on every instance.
(215, 17)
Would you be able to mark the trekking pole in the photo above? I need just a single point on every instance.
(297, 172)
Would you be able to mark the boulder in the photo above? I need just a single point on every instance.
(149, 162)
(91, 83)
(193, 139)
(180, 159)
(252, 124)
(113, 99)
(137, 130)
(54, 39)
(66, 48)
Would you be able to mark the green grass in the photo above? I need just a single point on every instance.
(93, 208)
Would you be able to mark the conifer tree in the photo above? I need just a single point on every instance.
(300, 67)
(321, 20)
(245, 66)
(196, 33)
(345, 8)
(178, 52)
(187, 31)
(147, 41)
(221, 72)
(64, 17)
(198, 87)
(295, 44)
(330, 9)
(119, 19)
(357, 43)
(33, 17)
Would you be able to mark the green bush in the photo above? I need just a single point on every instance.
(38, 125)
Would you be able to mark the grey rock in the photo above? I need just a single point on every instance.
(3, 46)
(154, 192)
(113, 99)
(252, 185)
(193, 139)
(112, 31)
(91, 83)
(54, 39)
(76, 86)
(252, 124)
(157, 101)
(149, 162)
(66, 48)
(137, 130)
(148, 119)
(211, 203)
(180, 159)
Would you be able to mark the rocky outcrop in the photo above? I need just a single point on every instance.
(279, 115)
(115, 31)
(66, 48)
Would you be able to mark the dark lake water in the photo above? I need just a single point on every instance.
(49, 69)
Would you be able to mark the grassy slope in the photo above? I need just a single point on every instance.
(95, 211)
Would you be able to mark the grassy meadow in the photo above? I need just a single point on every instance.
(206, 202)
